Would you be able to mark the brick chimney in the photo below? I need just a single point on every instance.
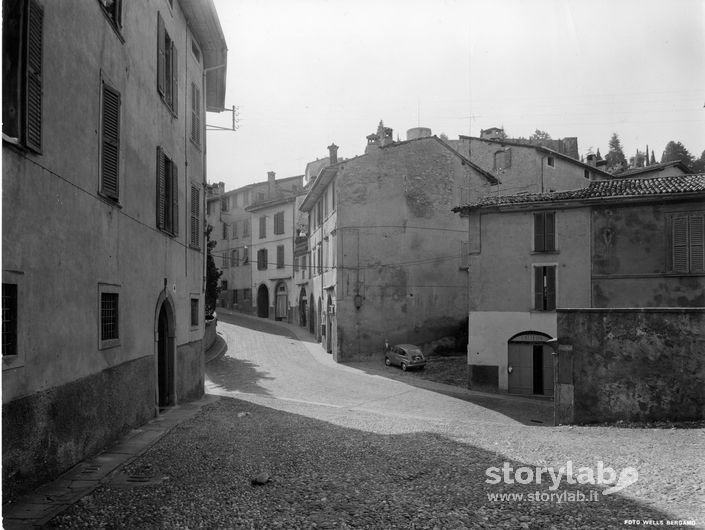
(333, 153)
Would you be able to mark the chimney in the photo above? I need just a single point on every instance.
(270, 183)
(333, 151)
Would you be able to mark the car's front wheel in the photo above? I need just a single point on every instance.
(387, 361)
(404, 367)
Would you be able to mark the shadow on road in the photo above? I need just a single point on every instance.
(237, 375)
(353, 477)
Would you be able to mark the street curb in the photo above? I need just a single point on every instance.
(49, 500)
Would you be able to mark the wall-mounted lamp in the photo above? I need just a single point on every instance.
(358, 301)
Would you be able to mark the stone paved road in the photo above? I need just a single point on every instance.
(347, 447)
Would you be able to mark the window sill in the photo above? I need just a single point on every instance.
(108, 344)
(544, 252)
(110, 200)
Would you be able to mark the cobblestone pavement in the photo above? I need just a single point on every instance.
(342, 448)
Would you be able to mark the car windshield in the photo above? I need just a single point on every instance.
(411, 350)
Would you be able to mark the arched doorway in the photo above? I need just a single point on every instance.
(263, 301)
(312, 317)
(302, 307)
(165, 333)
(530, 364)
(281, 303)
(329, 325)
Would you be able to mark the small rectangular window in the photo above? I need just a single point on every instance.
(9, 319)
(224, 203)
(234, 258)
(226, 260)
(280, 256)
(195, 313)
(235, 229)
(551, 161)
(246, 228)
(225, 231)
(262, 227)
(545, 288)
(109, 316)
(544, 232)
(245, 256)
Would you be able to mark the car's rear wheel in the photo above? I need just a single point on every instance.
(387, 361)
(404, 367)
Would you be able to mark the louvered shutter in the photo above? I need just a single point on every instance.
(195, 114)
(33, 79)
(538, 288)
(174, 199)
(161, 55)
(550, 231)
(680, 244)
(174, 79)
(696, 237)
(195, 214)
(110, 160)
(161, 188)
(539, 240)
(550, 288)
(280, 256)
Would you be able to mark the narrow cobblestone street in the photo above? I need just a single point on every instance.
(344, 446)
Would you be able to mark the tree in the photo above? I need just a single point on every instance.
(699, 164)
(598, 156)
(676, 151)
(539, 136)
(213, 274)
(616, 161)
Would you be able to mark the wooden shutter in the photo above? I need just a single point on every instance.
(549, 231)
(550, 288)
(174, 198)
(680, 244)
(161, 189)
(174, 79)
(195, 114)
(110, 160)
(262, 227)
(539, 239)
(195, 214)
(161, 55)
(280, 256)
(538, 289)
(696, 239)
(33, 77)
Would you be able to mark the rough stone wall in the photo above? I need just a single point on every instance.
(46, 433)
(190, 371)
(635, 364)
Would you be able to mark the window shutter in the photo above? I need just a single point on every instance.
(195, 114)
(680, 244)
(174, 199)
(262, 227)
(550, 288)
(550, 231)
(110, 160)
(161, 188)
(538, 288)
(195, 214)
(33, 80)
(174, 79)
(280, 256)
(161, 55)
(539, 240)
(697, 243)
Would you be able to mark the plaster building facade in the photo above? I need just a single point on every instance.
(103, 212)
(273, 257)
(385, 252)
(624, 243)
(231, 222)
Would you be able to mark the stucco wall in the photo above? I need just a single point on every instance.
(631, 253)
(47, 432)
(400, 245)
(634, 365)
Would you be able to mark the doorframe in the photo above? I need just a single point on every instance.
(533, 338)
(165, 302)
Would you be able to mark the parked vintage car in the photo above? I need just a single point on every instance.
(405, 355)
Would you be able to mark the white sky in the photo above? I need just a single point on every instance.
(307, 73)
